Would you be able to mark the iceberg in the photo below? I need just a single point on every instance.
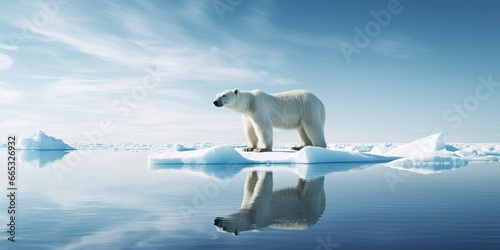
(425, 145)
(213, 155)
(427, 155)
(41, 141)
(40, 149)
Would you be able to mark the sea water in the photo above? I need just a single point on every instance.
(114, 200)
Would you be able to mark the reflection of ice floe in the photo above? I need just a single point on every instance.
(220, 171)
(223, 171)
(429, 164)
(40, 158)
(313, 171)
(40, 141)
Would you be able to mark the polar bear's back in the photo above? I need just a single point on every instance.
(288, 110)
(297, 97)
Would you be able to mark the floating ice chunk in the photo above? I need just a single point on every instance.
(432, 145)
(323, 155)
(226, 154)
(213, 155)
(180, 147)
(380, 149)
(421, 146)
(451, 148)
(40, 141)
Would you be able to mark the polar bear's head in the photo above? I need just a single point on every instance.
(226, 98)
(226, 225)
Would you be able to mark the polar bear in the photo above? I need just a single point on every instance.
(295, 109)
(294, 208)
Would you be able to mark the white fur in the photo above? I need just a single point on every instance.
(294, 208)
(261, 112)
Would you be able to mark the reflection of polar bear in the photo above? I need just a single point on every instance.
(296, 109)
(294, 208)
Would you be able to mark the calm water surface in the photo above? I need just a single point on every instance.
(114, 200)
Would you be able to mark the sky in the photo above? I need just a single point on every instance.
(148, 71)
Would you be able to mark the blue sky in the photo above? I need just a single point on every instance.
(148, 71)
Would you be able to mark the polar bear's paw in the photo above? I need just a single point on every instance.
(260, 150)
(297, 148)
(248, 149)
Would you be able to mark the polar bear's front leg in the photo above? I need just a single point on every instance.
(248, 192)
(250, 135)
(258, 185)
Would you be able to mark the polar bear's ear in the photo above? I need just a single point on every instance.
(236, 91)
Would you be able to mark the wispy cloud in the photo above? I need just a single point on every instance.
(325, 42)
(9, 96)
(8, 47)
(397, 46)
(183, 57)
(76, 87)
(197, 12)
(100, 56)
(18, 123)
(5, 61)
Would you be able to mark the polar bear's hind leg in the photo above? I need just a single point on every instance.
(304, 139)
(316, 134)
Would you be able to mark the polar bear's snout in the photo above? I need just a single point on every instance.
(220, 224)
(226, 226)
(217, 103)
(218, 221)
